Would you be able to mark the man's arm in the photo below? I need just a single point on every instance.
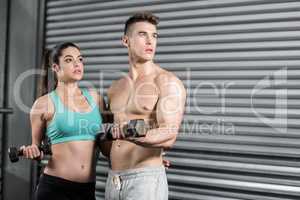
(169, 114)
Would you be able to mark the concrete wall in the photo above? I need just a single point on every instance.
(21, 54)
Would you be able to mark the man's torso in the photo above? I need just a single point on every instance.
(134, 100)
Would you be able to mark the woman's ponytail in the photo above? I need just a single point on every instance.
(48, 80)
(47, 75)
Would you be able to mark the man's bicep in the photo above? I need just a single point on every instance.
(170, 107)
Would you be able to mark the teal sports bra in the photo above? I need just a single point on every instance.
(67, 125)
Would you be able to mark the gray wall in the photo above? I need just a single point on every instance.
(22, 50)
(239, 60)
(3, 28)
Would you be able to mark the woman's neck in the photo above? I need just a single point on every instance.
(68, 89)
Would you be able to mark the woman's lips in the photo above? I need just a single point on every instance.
(77, 72)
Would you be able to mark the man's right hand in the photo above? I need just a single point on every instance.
(117, 132)
(133, 129)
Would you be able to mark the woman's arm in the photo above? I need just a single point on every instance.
(38, 124)
(105, 147)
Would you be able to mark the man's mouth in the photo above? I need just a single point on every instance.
(149, 50)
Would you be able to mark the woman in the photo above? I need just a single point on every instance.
(70, 117)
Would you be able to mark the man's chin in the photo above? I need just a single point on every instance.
(146, 59)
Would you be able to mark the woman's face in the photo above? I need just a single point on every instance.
(70, 68)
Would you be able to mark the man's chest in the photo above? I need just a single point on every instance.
(139, 98)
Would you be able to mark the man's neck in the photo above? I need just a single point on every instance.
(141, 69)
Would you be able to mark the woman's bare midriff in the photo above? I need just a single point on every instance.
(74, 161)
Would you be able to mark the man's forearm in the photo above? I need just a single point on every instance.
(158, 138)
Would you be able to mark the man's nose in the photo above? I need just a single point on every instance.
(148, 40)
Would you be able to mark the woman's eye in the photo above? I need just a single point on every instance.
(80, 60)
(68, 60)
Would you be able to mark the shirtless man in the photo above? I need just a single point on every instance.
(147, 92)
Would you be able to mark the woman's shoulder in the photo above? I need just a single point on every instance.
(42, 100)
(97, 97)
(42, 103)
(94, 93)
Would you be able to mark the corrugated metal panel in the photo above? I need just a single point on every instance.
(239, 60)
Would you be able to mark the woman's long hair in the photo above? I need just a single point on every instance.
(48, 80)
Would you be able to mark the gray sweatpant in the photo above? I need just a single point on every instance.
(148, 183)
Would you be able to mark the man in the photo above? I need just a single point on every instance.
(147, 92)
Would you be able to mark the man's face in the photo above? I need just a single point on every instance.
(141, 41)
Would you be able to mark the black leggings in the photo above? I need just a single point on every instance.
(55, 188)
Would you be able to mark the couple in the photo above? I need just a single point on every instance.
(147, 92)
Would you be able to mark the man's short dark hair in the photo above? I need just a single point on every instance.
(145, 16)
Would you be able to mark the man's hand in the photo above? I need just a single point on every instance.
(134, 128)
(137, 140)
(117, 132)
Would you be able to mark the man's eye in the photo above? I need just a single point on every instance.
(155, 35)
(80, 60)
(68, 60)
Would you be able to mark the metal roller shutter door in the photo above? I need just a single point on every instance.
(239, 59)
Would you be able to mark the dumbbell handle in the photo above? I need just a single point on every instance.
(135, 128)
(14, 153)
(44, 148)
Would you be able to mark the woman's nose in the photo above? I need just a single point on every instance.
(76, 63)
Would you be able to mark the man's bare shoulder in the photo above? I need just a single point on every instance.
(118, 85)
(166, 77)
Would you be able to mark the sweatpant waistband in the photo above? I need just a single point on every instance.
(138, 172)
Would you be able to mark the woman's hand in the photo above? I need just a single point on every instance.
(32, 152)
(166, 162)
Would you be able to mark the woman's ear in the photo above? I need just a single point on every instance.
(125, 40)
(55, 67)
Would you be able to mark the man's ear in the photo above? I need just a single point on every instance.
(125, 40)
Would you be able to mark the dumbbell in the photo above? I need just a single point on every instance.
(14, 153)
(134, 128)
